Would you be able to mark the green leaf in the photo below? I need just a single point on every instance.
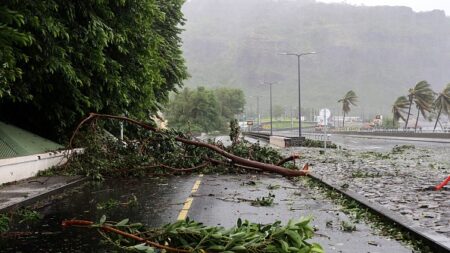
(317, 248)
(284, 246)
(141, 247)
(295, 237)
(102, 219)
(217, 248)
(122, 222)
(150, 250)
(305, 249)
(239, 248)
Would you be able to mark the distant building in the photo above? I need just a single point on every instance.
(347, 118)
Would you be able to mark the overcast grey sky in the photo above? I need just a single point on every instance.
(416, 5)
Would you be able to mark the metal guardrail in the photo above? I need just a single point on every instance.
(256, 135)
(378, 130)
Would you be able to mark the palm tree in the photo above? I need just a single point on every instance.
(419, 93)
(423, 99)
(349, 99)
(442, 103)
(398, 109)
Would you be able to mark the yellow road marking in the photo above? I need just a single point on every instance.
(196, 186)
(188, 203)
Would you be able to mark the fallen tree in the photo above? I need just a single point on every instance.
(158, 144)
(189, 236)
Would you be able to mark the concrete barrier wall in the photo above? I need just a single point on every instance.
(18, 168)
(399, 134)
(278, 141)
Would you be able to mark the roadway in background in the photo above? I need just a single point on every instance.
(370, 143)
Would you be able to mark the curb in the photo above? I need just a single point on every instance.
(34, 199)
(438, 242)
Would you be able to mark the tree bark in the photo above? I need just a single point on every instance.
(437, 119)
(417, 120)
(343, 119)
(287, 159)
(409, 113)
(106, 228)
(236, 159)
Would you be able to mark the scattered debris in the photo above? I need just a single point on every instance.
(348, 226)
(264, 201)
(189, 236)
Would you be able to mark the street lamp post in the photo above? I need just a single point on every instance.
(299, 97)
(257, 112)
(271, 126)
(270, 92)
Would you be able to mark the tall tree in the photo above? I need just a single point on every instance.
(350, 98)
(442, 104)
(423, 97)
(10, 39)
(278, 111)
(398, 109)
(421, 89)
(231, 102)
(102, 56)
(196, 109)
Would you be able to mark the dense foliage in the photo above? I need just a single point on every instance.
(423, 97)
(144, 152)
(231, 102)
(10, 38)
(190, 236)
(204, 110)
(60, 60)
(442, 104)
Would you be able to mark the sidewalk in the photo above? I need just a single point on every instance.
(30, 190)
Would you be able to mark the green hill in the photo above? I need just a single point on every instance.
(379, 52)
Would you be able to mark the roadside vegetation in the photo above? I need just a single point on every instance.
(429, 104)
(204, 110)
(156, 152)
(61, 60)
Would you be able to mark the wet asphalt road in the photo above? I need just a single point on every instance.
(368, 143)
(219, 200)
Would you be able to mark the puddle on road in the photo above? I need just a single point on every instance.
(158, 203)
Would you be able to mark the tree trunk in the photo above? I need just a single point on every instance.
(437, 119)
(409, 113)
(417, 120)
(343, 119)
(236, 159)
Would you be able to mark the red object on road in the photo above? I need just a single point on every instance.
(439, 186)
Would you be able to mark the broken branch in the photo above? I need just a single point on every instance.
(106, 228)
(236, 159)
(288, 159)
